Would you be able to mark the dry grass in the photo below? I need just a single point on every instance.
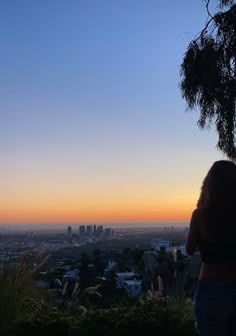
(16, 286)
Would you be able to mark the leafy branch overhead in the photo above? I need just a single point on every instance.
(208, 75)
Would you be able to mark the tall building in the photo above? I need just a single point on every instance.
(100, 229)
(69, 230)
(89, 229)
(82, 229)
(94, 229)
(108, 232)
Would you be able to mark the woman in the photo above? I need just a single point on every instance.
(213, 231)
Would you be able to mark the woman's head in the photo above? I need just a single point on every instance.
(219, 186)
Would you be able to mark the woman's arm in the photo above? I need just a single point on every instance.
(193, 233)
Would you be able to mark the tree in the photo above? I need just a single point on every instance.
(208, 75)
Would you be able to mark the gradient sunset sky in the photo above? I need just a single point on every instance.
(92, 124)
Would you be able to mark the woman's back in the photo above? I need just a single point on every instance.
(217, 225)
(217, 243)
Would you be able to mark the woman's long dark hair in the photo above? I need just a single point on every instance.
(219, 187)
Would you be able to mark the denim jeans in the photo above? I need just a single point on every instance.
(215, 308)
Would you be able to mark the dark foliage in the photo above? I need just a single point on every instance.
(153, 317)
(224, 3)
(208, 76)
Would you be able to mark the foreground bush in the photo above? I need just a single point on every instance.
(15, 285)
(160, 317)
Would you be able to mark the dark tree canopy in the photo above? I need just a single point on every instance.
(224, 3)
(208, 75)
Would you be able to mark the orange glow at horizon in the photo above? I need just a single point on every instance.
(59, 198)
(57, 213)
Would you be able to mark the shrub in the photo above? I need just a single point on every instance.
(16, 287)
(153, 317)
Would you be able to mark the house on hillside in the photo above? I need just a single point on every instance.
(158, 244)
(121, 277)
(133, 287)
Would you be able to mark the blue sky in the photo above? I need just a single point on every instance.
(89, 98)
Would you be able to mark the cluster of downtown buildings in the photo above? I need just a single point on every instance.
(96, 231)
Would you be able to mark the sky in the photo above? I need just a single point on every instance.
(93, 127)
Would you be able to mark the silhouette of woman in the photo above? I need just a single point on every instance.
(213, 231)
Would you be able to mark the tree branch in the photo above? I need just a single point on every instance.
(212, 18)
(207, 8)
(204, 29)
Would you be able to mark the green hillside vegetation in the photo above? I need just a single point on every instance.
(26, 310)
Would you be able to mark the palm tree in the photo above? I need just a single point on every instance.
(208, 75)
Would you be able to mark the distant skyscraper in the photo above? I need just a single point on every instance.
(89, 229)
(82, 229)
(94, 229)
(100, 229)
(69, 230)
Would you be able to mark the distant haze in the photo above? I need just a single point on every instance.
(36, 227)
